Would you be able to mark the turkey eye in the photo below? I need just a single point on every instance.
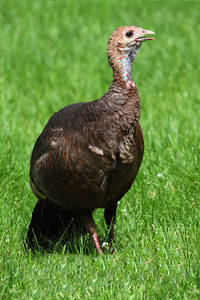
(129, 34)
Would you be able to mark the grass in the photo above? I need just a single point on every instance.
(53, 53)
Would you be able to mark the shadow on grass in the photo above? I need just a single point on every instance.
(54, 229)
(77, 243)
(73, 240)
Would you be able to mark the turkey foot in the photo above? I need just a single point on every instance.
(90, 226)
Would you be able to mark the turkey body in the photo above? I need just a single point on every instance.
(88, 154)
(87, 157)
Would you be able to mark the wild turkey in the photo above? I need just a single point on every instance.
(88, 154)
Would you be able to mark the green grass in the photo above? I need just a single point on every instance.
(53, 53)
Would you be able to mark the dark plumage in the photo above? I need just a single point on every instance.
(88, 154)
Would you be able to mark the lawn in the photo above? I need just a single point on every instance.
(53, 53)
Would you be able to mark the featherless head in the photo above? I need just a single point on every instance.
(123, 45)
(128, 38)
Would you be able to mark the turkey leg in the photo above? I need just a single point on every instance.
(90, 226)
(110, 218)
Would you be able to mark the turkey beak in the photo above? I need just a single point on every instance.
(140, 35)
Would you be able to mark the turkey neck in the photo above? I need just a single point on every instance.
(120, 60)
(122, 69)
